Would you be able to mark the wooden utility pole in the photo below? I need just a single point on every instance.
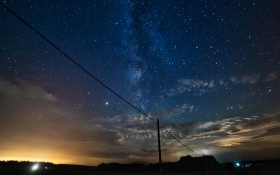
(159, 149)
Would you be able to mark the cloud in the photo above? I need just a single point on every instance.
(152, 151)
(271, 77)
(32, 120)
(200, 86)
(149, 151)
(188, 85)
(173, 111)
(269, 132)
(253, 79)
(108, 154)
(141, 132)
(228, 132)
(136, 127)
(23, 90)
(245, 79)
(222, 137)
(94, 135)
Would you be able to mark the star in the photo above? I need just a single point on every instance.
(189, 64)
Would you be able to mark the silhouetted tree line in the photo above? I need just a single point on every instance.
(185, 164)
(44, 168)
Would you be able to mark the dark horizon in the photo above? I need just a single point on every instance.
(146, 163)
(185, 165)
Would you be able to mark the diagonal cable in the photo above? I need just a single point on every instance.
(87, 72)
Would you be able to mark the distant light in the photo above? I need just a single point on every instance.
(248, 165)
(35, 167)
(107, 103)
(237, 164)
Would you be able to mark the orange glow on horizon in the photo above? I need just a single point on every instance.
(51, 157)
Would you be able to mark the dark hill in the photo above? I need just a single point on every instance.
(185, 164)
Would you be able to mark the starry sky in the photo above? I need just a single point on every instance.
(207, 69)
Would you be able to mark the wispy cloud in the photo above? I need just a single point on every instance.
(225, 137)
(271, 77)
(173, 111)
(188, 85)
(41, 122)
(33, 120)
(245, 79)
(230, 131)
(200, 86)
(23, 90)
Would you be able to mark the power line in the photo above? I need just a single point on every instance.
(180, 141)
(87, 72)
(74, 62)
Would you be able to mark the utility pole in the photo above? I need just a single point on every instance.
(159, 149)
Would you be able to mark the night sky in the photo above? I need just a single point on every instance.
(209, 70)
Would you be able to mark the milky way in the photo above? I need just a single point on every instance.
(208, 70)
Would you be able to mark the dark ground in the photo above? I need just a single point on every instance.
(185, 166)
